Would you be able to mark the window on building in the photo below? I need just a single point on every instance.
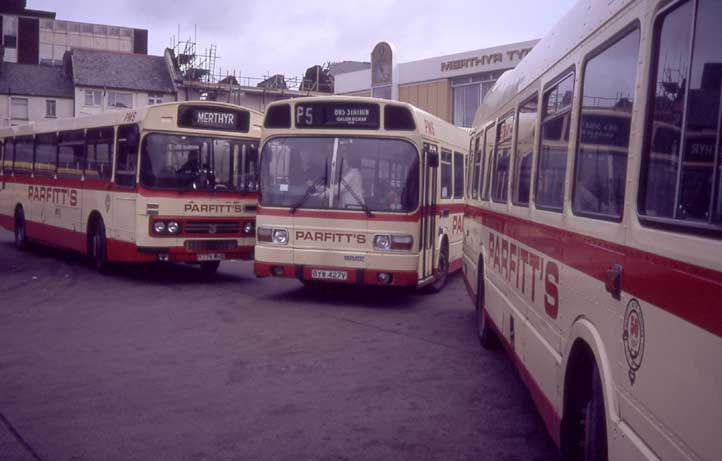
(446, 175)
(552, 167)
(681, 163)
(93, 97)
(124, 100)
(383, 92)
(604, 128)
(502, 159)
(467, 94)
(46, 154)
(10, 28)
(126, 159)
(525, 140)
(19, 108)
(50, 108)
(154, 98)
(458, 175)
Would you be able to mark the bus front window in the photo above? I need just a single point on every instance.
(198, 163)
(340, 173)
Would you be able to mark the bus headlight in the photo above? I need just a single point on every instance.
(386, 242)
(248, 228)
(159, 227)
(280, 236)
(382, 242)
(173, 227)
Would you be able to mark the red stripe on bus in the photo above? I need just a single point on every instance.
(6, 222)
(94, 184)
(690, 292)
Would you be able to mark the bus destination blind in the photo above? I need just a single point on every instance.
(341, 115)
(213, 118)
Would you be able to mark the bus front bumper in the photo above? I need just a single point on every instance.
(351, 276)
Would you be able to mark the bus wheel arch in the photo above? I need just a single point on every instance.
(19, 227)
(96, 241)
(584, 431)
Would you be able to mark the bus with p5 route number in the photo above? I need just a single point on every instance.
(168, 182)
(360, 191)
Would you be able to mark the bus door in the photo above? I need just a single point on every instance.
(126, 167)
(428, 223)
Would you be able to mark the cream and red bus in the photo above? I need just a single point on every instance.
(360, 191)
(169, 182)
(593, 246)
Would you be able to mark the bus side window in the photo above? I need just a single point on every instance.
(458, 175)
(126, 157)
(446, 175)
(525, 140)
(71, 154)
(681, 162)
(476, 168)
(100, 153)
(2, 157)
(23, 159)
(46, 154)
(552, 163)
(502, 158)
(9, 154)
(487, 167)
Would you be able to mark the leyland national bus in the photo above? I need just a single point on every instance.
(593, 246)
(169, 182)
(351, 192)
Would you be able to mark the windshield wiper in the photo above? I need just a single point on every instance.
(312, 188)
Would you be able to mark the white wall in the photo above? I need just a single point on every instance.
(36, 109)
(139, 99)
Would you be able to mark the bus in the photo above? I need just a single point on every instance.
(360, 190)
(168, 182)
(593, 228)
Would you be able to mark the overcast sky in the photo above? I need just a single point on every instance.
(263, 37)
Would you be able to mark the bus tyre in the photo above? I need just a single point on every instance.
(99, 248)
(210, 267)
(21, 236)
(486, 334)
(442, 271)
(595, 426)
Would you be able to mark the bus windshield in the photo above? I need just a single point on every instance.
(345, 173)
(198, 163)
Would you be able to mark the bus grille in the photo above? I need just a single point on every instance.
(212, 227)
(203, 245)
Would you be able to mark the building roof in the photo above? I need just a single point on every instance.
(35, 80)
(344, 67)
(117, 70)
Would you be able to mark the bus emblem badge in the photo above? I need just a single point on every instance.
(633, 337)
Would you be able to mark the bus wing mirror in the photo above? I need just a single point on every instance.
(432, 159)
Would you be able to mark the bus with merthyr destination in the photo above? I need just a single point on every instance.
(170, 182)
(360, 191)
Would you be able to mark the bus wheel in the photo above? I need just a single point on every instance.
(586, 429)
(442, 272)
(21, 236)
(486, 335)
(100, 248)
(210, 267)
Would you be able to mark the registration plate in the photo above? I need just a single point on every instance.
(329, 275)
(211, 257)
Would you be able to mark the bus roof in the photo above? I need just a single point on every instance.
(582, 20)
(128, 116)
(427, 125)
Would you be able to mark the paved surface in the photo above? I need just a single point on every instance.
(154, 363)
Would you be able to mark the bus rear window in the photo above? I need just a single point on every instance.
(680, 178)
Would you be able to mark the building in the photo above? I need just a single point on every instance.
(451, 87)
(36, 37)
(31, 92)
(108, 80)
